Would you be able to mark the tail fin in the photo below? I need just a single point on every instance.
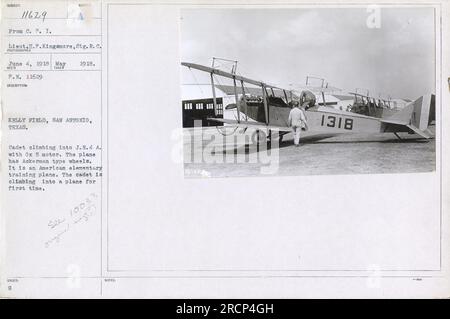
(417, 115)
(423, 112)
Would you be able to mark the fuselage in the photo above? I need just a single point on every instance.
(320, 119)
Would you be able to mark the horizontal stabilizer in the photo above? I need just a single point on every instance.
(416, 116)
(419, 132)
(394, 121)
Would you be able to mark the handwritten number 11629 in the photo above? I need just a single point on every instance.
(28, 14)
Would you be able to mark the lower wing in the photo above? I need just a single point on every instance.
(251, 124)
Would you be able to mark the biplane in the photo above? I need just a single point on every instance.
(376, 107)
(266, 107)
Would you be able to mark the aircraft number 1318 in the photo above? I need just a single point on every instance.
(335, 121)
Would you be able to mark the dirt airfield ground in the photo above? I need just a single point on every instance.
(342, 154)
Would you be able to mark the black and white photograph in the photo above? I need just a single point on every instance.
(256, 149)
(308, 91)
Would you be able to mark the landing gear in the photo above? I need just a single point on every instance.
(278, 135)
(261, 136)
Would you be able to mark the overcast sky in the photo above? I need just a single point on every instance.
(283, 46)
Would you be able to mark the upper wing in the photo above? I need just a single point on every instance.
(229, 90)
(251, 124)
(229, 75)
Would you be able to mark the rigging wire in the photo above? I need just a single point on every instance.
(195, 79)
(217, 79)
(222, 132)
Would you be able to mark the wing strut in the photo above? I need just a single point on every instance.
(244, 98)
(285, 96)
(214, 94)
(266, 109)
(238, 108)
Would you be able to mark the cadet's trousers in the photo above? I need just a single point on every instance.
(296, 130)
